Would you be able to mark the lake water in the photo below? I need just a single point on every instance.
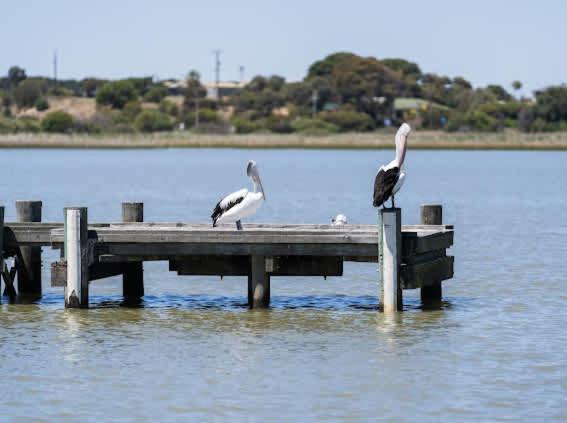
(496, 351)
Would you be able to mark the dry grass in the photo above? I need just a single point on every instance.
(509, 140)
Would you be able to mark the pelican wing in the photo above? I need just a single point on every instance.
(227, 203)
(384, 184)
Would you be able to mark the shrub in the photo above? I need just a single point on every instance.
(205, 116)
(151, 120)
(244, 126)
(279, 125)
(58, 121)
(7, 126)
(473, 120)
(348, 120)
(168, 107)
(155, 94)
(116, 94)
(27, 93)
(26, 124)
(314, 126)
(41, 104)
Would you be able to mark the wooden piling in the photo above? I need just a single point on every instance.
(133, 275)
(1, 245)
(28, 260)
(390, 245)
(77, 257)
(431, 214)
(258, 283)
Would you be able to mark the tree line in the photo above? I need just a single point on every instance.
(340, 93)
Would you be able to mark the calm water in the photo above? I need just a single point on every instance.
(496, 351)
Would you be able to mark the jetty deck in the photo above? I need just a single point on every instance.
(95, 251)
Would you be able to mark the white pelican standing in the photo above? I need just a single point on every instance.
(242, 203)
(390, 178)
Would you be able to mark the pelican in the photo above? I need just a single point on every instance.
(241, 203)
(390, 178)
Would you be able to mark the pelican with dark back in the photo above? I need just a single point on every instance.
(390, 178)
(241, 203)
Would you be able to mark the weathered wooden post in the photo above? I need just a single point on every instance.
(77, 257)
(390, 250)
(133, 276)
(1, 245)
(28, 260)
(431, 214)
(258, 283)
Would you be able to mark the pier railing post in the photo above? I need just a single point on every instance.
(133, 276)
(28, 260)
(390, 245)
(431, 214)
(76, 255)
(258, 283)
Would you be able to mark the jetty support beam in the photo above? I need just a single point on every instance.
(133, 276)
(28, 259)
(432, 214)
(390, 249)
(77, 257)
(259, 282)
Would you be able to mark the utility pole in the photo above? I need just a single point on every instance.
(314, 100)
(217, 54)
(55, 66)
(241, 70)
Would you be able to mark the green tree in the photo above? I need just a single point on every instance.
(155, 94)
(194, 93)
(405, 67)
(517, 86)
(326, 66)
(552, 103)
(89, 86)
(28, 92)
(16, 75)
(58, 121)
(116, 94)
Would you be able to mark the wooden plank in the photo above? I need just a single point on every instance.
(96, 271)
(240, 266)
(165, 251)
(428, 273)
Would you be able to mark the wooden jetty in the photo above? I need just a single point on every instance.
(409, 257)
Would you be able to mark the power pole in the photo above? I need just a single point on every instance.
(241, 70)
(314, 100)
(55, 66)
(217, 54)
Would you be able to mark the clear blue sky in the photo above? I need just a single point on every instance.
(484, 41)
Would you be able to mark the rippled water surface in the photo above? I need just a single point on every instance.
(496, 351)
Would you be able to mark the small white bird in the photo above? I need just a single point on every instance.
(242, 203)
(340, 219)
(390, 178)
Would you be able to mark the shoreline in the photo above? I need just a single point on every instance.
(419, 140)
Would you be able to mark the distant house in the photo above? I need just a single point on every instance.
(408, 109)
(226, 89)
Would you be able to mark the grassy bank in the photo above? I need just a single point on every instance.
(509, 140)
